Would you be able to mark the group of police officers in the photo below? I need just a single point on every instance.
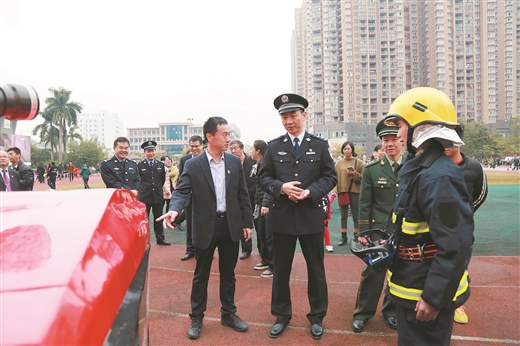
(424, 193)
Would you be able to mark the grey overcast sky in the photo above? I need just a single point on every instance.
(155, 61)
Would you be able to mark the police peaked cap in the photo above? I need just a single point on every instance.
(290, 103)
(149, 145)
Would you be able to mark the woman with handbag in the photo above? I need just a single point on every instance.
(349, 171)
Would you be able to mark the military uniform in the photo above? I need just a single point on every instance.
(379, 187)
(118, 174)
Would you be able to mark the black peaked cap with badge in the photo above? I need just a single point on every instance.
(387, 127)
(149, 145)
(290, 103)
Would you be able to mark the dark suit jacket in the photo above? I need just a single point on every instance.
(197, 182)
(182, 162)
(313, 167)
(251, 180)
(26, 176)
(152, 181)
(14, 178)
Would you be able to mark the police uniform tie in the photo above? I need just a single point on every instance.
(296, 144)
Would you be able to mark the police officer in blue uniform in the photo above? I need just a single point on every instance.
(297, 170)
(120, 172)
(153, 176)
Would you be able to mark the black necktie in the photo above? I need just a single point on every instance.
(296, 144)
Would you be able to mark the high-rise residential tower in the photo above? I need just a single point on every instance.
(351, 59)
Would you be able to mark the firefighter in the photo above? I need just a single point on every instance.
(433, 218)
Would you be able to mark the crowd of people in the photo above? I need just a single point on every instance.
(284, 190)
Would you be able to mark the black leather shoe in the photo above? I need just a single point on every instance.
(343, 240)
(163, 242)
(195, 329)
(245, 255)
(187, 256)
(391, 322)
(316, 331)
(234, 322)
(358, 326)
(277, 330)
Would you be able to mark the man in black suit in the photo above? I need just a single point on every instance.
(196, 148)
(26, 173)
(9, 178)
(221, 217)
(297, 170)
(237, 148)
(153, 176)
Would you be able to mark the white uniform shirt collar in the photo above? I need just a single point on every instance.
(300, 137)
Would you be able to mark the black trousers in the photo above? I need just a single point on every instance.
(52, 183)
(247, 246)
(369, 292)
(412, 332)
(312, 249)
(85, 183)
(190, 248)
(228, 256)
(264, 238)
(157, 211)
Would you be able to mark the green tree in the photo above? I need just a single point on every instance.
(478, 140)
(64, 114)
(90, 151)
(39, 155)
(509, 146)
(48, 133)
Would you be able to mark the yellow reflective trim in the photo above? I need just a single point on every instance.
(415, 294)
(463, 285)
(401, 291)
(413, 228)
(394, 217)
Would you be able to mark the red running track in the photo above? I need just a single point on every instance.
(493, 309)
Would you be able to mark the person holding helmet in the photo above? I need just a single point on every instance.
(379, 187)
(433, 221)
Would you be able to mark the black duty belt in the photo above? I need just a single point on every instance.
(417, 253)
(219, 214)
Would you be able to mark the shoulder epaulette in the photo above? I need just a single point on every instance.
(320, 138)
(277, 138)
(373, 162)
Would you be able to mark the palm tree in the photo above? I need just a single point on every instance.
(64, 113)
(72, 134)
(48, 133)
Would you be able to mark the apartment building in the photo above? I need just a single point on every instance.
(104, 126)
(172, 138)
(351, 59)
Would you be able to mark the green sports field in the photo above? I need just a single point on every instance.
(497, 225)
